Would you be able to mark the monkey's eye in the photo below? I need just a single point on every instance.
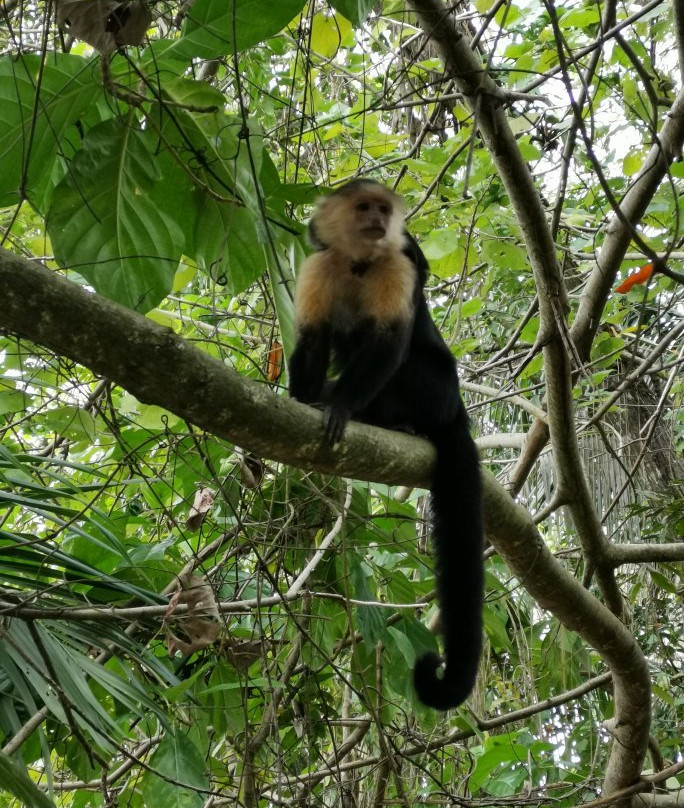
(385, 209)
(362, 206)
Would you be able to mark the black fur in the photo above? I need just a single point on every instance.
(405, 376)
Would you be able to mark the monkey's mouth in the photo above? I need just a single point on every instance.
(374, 233)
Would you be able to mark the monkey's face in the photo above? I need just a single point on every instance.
(371, 217)
(361, 220)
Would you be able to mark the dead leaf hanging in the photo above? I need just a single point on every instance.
(200, 625)
(105, 24)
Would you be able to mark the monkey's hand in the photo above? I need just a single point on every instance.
(335, 420)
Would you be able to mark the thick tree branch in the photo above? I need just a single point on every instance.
(646, 553)
(552, 589)
(518, 541)
(486, 100)
(157, 366)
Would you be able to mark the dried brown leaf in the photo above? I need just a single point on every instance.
(204, 499)
(105, 24)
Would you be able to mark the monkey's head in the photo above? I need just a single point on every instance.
(362, 219)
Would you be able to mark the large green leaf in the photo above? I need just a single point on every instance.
(104, 223)
(222, 152)
(356, 11)
(228, 245)
(178, 761)
(34, 121)
(372, 620)
(234, 178)
(282, 284)
(216, 27)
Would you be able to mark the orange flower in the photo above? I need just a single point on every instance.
(640, 276)
(274, 366)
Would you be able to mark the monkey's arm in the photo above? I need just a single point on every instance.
(381, 351)
(309, 363)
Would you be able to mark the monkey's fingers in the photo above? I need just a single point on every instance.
(335, 420)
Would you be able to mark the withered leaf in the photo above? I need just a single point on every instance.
(204, 499)
(105, 24)
(199, 626)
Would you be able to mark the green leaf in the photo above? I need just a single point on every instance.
(152, 417)
(419, 635)
(632, 163)
(400, 657)
(534, 366)
(104, 224)
(530, 331)
(607, 349)
(228, 245)
(505, 254)
(403, 644)
(282, 284)
(356, 11)
(399, 588)
(528, 150)
(223, 213)
(223, 698)
(34, 122)
(13, 401)
(71, 422)
(177, 760)
(371, 618)
(325, 35)
(440, 244)
(495, 625)
(497, 752)
(661, 581)
(13, 778)
(217, 28)
(471, 307)
(580, 17)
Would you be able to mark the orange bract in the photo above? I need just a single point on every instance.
(274, 364)
(640, 276)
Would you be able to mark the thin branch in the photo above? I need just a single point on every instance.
(619, 230)
(502, 395)
(637, 373)
(459, 735)
(305, 574)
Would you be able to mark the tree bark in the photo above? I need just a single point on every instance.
(159, 367)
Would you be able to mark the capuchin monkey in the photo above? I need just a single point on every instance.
(361, 316)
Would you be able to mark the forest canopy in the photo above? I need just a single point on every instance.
(203, 605)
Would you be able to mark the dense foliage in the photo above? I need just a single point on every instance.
(187, 623)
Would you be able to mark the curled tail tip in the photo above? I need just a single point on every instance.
(439, 692)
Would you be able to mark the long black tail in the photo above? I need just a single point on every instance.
(456, 500)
